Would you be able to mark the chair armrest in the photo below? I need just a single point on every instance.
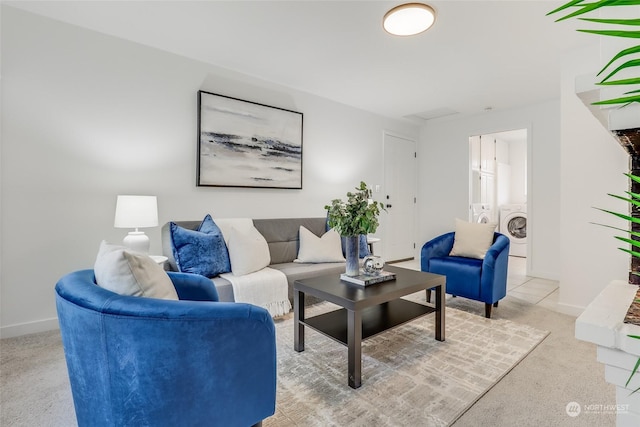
(493, 283)
(193, 287)
(437, 247)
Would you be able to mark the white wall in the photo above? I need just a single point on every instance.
(87, 117)
(444, 176)
(592, 165)
(518, 163)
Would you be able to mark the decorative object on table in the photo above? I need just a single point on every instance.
(353, 217)
(246, 144)
(366, 279)
(136, 212)
(372, 265)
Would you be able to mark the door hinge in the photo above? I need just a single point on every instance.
(414, 200)
(414, 246)
(415, 155)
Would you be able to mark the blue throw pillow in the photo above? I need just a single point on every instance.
(200, 252)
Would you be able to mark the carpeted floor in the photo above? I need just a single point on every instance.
(409, 378)
(403, 383)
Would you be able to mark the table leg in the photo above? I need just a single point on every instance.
(440, 309)
(298, 316)
(354, 345)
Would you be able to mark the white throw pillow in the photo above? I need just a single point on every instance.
(314, 249)
(472, 240)
(130, 273)
(248, 251)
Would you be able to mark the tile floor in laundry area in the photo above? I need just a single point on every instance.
(538, 291)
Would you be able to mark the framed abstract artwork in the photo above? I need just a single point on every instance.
(245, 144)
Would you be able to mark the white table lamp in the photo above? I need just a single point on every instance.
(136, 212)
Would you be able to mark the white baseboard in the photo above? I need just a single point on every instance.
(571, 310)
(29, 328)
(544, 275)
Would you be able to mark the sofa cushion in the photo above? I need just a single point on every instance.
(282, 235)
(472, 240)
(126, 272)
(248, 251)
(201, 251)
(314, 249)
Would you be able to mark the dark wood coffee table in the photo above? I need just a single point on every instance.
(366, 311)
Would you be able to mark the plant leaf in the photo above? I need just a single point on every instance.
(565, 6)
(628, 64)
(633, 233)
(623, 100)
(633, 202)
(632, 242)
(629, 251)
(633, 177)
(589, 7)
(634, 196)
(623, 216)
(635, 369)
(634, 22)
(614, 33)
(631, 81)
(629, 51)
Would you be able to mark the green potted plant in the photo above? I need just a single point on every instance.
(356, 216)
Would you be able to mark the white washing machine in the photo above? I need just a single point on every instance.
(513, 224)
(481, 213)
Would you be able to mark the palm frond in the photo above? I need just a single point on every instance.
(623, 100)
(614, 33)
(623, 216)
(633, 22)
(625, 52)
(628, 64)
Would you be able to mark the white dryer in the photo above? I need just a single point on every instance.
(513, 224)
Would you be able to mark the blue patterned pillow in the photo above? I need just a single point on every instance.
(200, 252)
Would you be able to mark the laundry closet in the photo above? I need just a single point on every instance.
(498, 184)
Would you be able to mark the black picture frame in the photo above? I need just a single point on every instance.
(247, 144)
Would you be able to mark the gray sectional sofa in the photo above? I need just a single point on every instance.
(282, 236)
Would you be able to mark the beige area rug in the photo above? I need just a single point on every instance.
(408, 378)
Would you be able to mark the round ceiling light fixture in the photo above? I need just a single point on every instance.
(409, 19)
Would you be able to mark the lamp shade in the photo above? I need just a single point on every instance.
(136, 212)
(409, 19)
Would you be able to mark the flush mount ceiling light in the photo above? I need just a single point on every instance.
(409, 19)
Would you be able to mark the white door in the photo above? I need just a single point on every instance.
(399, 197)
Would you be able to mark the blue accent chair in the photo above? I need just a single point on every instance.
(482, 280)
(137, 361)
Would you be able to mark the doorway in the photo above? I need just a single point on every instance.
(498, 184)
(399, 197)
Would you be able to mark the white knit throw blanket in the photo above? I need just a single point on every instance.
(265, 288)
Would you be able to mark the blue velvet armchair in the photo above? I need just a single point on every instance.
(482, 280)
(137, 361)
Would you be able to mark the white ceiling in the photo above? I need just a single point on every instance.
(479, 54)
